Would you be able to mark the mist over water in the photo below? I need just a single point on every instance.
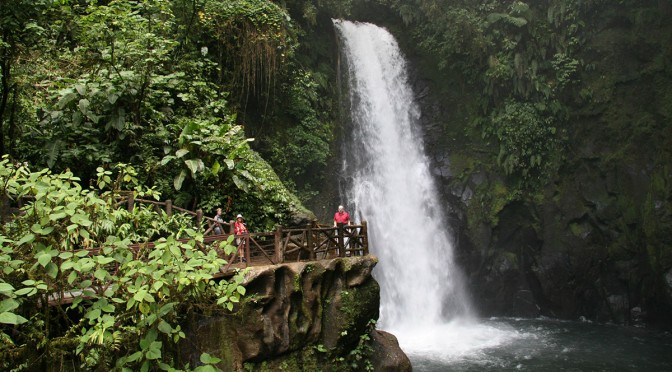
(392, 188)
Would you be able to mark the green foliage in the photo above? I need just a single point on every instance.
(268, 200)
(490, 202)
(131, 302)
(299, 150)
(527, 139)
(97, 111)
(21, 34)
(204, 148)
(524, 59)
(256, 36)
(359, 358)
(148, 83)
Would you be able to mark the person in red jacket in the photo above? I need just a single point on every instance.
(240, 229)
(341, 217)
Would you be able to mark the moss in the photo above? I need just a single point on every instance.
(627, 206)
(306, 359)
(297, 282)
(576, 229)
(492, 198)
(462, 165)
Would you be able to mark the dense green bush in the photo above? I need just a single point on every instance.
(72, 239)
(528, 140)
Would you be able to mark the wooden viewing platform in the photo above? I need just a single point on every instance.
(312, 242)
(309, 243)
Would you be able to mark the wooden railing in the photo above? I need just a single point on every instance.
(312, 242)
(309, 243)
(167, 207)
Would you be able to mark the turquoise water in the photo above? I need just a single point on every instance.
(551, 345)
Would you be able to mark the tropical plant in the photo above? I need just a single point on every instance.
(252, 39)
(528, 140)
(127, 304)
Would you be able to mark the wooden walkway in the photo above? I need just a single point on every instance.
(312, 242)
(309, 243)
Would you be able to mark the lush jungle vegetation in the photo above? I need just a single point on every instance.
(559, 122)
(175, 88)
(130, 304)
(161, 98)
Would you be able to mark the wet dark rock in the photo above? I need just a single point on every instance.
(387, 355)
(301, 315)
(594, 242)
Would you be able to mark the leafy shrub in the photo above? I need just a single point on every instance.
(527, 137)
(127, 303)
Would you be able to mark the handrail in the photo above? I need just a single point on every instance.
(314, 241)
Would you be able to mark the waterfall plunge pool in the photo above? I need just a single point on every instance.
(501, 344)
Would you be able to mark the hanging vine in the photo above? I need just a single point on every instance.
(254, 38)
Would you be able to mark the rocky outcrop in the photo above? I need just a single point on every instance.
(300, 316)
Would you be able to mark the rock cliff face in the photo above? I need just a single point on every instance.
(595, 240)
(301, 316)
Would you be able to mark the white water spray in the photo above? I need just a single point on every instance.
(391, 185)
(423, 300)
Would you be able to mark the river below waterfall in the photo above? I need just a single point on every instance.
(501, 344)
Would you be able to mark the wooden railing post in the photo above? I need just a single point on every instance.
(277, 245)
(199, 217)
(341, 241)
(169, 208)
(246, 249)
(309, 241)
(232, 230)
(365, 238)
(130, 201)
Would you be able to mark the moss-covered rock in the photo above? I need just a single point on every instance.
(295, 316)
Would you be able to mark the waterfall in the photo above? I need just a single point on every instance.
(391, 186)
(388, 183)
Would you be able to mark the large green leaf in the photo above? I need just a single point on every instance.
(8, 304)
(44, 258)
(67, 96)
(6, 288)
(154, 351)
(11, 318)
(28, 238)
(117, 119)
(177, 182)
(215, 168)
(195, 165)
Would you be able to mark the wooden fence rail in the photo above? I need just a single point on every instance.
(308, 243)
(258, 248)
(312, 242)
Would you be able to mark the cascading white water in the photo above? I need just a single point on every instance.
(391, 185)
(423, 299)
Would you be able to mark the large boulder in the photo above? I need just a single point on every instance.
(387, 355)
